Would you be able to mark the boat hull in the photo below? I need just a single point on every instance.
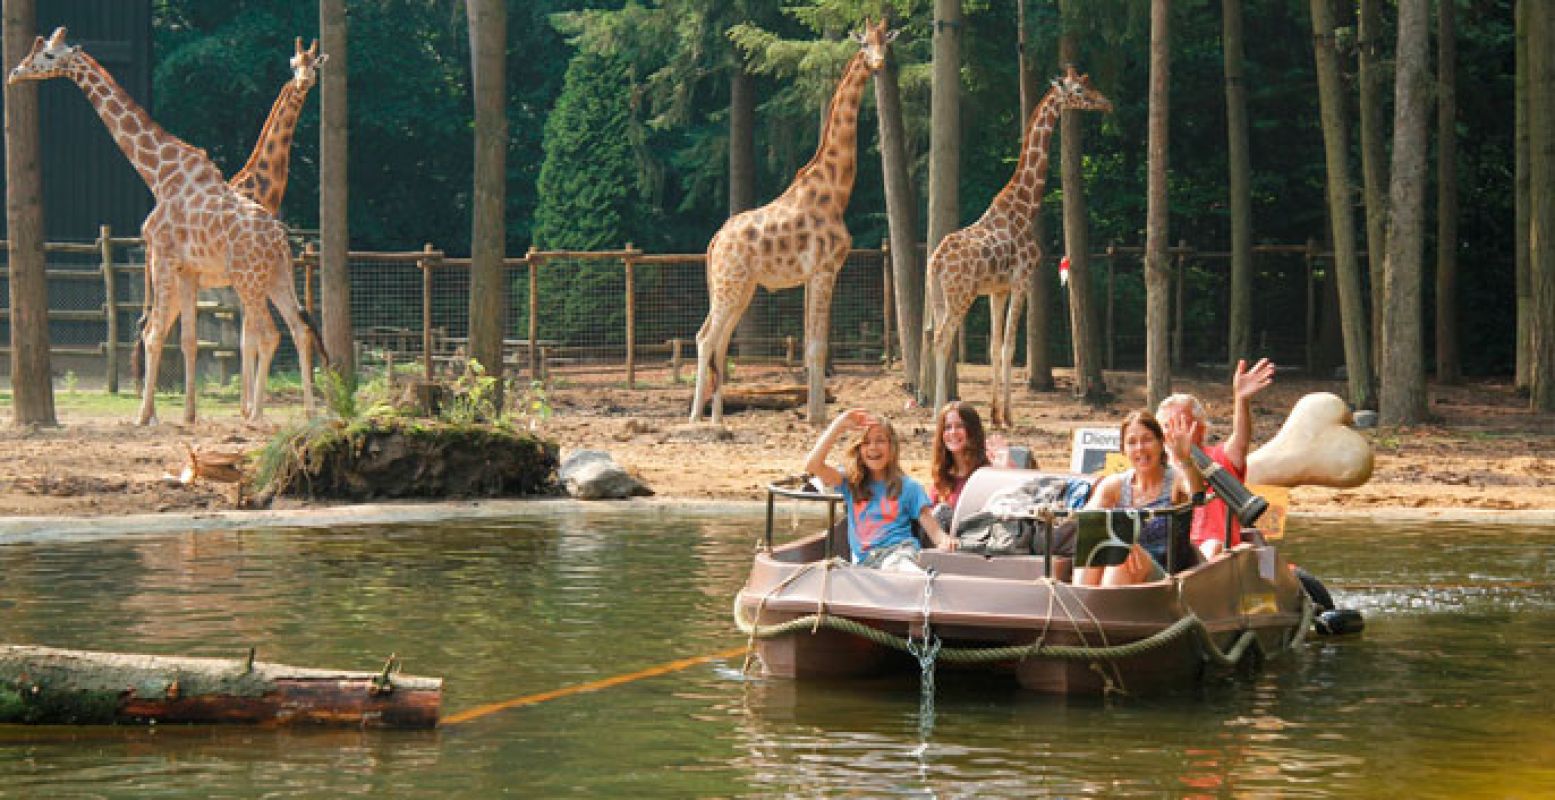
(818, 618)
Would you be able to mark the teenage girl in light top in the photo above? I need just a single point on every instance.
(1151, 482)
(881, 501)
(960, 449)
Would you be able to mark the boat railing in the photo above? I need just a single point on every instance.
(800, 487)
(1097, 534)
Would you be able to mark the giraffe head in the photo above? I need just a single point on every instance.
(49, 58)
(873, 41)
(305, 65)
(1075, 91)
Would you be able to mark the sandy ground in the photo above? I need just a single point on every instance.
(1482, 450)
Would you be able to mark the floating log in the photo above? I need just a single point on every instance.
(45, 685)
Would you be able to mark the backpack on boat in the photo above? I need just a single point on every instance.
(1005, 525)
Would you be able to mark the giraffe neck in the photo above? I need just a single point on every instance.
(148, 147)
(263, 178)
(833, 166)
(1019, 200)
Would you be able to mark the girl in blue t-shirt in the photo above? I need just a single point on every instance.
(881, 501)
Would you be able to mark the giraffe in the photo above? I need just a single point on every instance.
(996, 254)
(798, 239)
(263, 178)
(201, 232)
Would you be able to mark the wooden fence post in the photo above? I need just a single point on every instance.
(110, 307)
(631, 320)
(532, 258)
(675, 360)
(425, 263)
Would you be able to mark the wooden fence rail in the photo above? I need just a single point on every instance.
(438, 343)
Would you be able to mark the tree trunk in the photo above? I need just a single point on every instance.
(32, 381)
(944, 157)
(1239, 337)
(1448, 364)
(742, 187)
(1158, 267)
(742, 139)
(1524, 283)
(1039, 366)
(902, 217)
(1403, 378)
(1085, 341)
(1374, 166)
(488, 234)
(334, 219)
(1541, 210)
(1352, 307)
(45, 685)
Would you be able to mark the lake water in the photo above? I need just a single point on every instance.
(1448, 693)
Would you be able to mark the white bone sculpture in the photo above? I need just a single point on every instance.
(1315, 447)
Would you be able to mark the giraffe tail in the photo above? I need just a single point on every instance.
(318, 340)
(138, 352)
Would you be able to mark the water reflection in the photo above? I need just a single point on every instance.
(1444, 695)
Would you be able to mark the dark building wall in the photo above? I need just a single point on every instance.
(87, 181)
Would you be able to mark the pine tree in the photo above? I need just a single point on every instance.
(589, 197)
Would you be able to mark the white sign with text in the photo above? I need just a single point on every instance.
(1091, 446)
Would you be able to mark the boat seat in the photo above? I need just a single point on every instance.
(985, 482)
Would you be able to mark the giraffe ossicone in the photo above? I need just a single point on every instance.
(798, 239)
(997, 254)
(201, 233)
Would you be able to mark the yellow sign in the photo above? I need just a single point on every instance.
(1272, 523)
(1116, 462)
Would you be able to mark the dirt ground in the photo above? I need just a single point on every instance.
(1482, 450)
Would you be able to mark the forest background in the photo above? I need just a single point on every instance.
(619, 125)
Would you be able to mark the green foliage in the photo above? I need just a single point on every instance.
(339, 395)
(533, 406)
(474, 398)
(588, 183)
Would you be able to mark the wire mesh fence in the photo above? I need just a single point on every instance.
(626, 316)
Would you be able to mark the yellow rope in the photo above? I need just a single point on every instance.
(591, 686)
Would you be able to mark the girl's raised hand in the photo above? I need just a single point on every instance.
(857, 418)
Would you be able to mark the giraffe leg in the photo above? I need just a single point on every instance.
(997, 306)
(159, 321)
(703, 356)
(285, 299)
(817, 327)
(260, 353)
(951, 315)
(189, 343)
(1011, 331)
(260, 340)
(713, 348)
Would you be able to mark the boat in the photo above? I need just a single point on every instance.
(808, 613)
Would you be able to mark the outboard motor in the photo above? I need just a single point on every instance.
(1338, 621)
